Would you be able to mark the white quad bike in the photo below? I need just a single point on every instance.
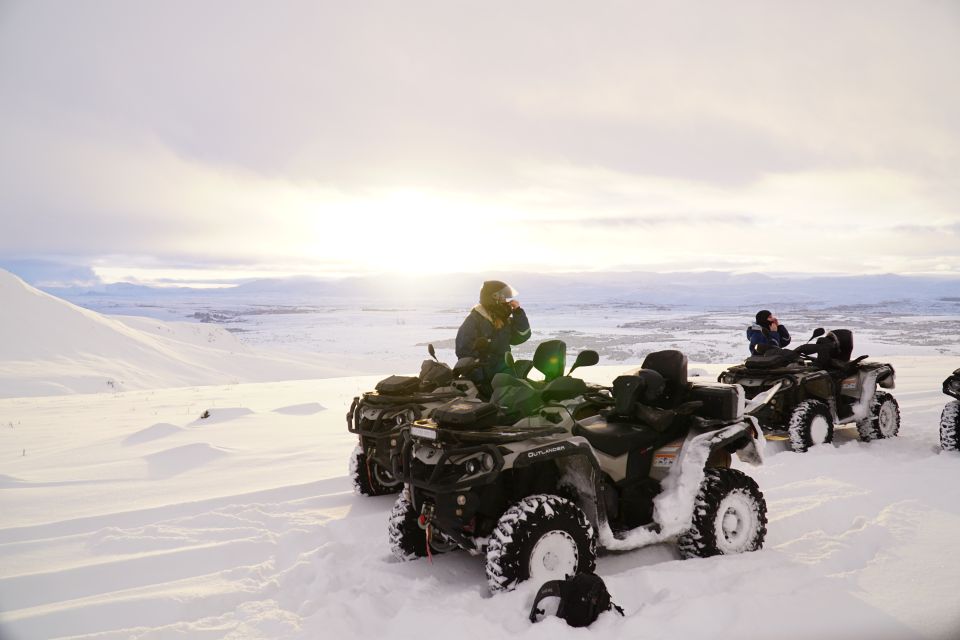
(647, 463)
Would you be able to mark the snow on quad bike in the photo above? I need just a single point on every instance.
(646, 463)
(950, 418)
(377, 416)
(811, 390)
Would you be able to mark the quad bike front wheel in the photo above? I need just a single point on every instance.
(810, 425)
(884, 418)
(369, 477)
(408, 540)
(729, 516)
(542, 537)
(950, 426)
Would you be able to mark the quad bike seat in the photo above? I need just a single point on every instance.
(672, 365)
(771, 359)
(832, 352)
(617, 438)
(645, 386)
(843, 339)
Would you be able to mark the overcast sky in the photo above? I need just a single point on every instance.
(207, 140)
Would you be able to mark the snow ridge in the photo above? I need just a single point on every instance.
(53, 347)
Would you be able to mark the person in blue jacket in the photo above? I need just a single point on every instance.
(766, 332)
(490, 329)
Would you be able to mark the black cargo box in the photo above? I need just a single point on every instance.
(721, 402)
(435, 374)
(466, 413)
(398, 385)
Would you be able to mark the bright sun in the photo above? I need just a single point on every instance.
(412, 232)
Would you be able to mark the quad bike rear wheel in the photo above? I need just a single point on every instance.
(729, 516)
(884, 418)
(810, 425)
(950, 426)
(542, 537)
(369, 477)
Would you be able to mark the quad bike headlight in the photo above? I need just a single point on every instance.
(487, 461)
(472, 466)
(405, 417)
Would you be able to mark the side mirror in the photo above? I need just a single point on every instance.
(465, 365)
(432, 351)
(819, 331)
(550, 359)
(586, 358)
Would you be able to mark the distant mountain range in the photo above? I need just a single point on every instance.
(708, 289)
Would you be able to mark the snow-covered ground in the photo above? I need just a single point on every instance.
(127, 516)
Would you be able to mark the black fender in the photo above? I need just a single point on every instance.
(887, 377)
(951, 386)
(566, 450)
(555, 450)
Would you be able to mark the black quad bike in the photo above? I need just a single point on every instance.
(377, 417)
(950, 418)
(810, 390)
(645, 461)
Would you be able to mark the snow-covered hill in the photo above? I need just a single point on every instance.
(50, 346)
(126, 516)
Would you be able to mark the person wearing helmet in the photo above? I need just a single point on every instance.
(490, 329)
(767, 332)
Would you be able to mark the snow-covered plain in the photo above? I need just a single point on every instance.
(360, 330)
(127, 515)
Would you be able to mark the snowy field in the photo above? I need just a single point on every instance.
(127, 515)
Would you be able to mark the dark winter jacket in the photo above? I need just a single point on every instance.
(761, 338)
(479, 338)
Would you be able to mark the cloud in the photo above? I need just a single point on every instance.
(646, 221)
(929, 229)
(664, 134)
(49, 273)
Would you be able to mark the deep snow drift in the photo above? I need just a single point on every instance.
(51, 346)
(127, 516)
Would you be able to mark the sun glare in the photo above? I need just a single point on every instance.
(413, 232)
